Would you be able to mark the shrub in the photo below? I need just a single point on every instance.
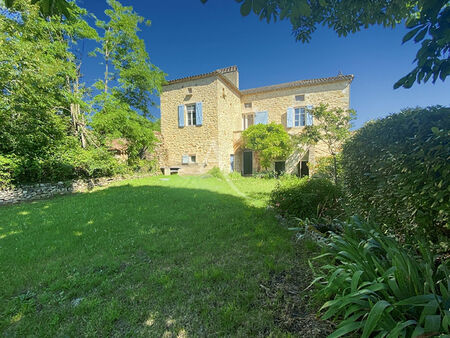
(216, 172)
(8, 166)
(324, 168)
(396, 170)
(378, 288)
(235, 175)
(306, 198)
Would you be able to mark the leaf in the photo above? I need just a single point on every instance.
(421, 300)
(374, 317)
(408, 36)
(421, 35)
(355, 280)
(432, 323)
(345, 329)
(246, 7)
(395, 332)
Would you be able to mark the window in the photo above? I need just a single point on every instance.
(192, 158)
(191, 115)
(300, 97)
(299, 117)
(247, 121)
(248, 105)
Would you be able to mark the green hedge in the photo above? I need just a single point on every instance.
(316, 198)
(397, 171)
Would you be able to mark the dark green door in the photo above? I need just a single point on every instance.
(248, 163)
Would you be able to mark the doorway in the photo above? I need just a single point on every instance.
(248, 162)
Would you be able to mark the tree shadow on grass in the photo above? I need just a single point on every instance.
(145, 260)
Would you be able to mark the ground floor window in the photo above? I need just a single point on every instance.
(232, 162)
(193, 158)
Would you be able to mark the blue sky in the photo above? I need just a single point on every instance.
(187, 38)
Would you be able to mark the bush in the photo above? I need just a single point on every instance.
(306, 198)
(8, 166)
(324, 168)
(378, 288)
(216, 172)
(235, 175)
(396, 170)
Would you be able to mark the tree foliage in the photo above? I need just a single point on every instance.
(270, 141)
(331, 127)
(427, 20)
(129, 81)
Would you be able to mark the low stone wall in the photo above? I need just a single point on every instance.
(46, 190)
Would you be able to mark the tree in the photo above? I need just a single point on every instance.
(49, 8)
(270, 141)
(130, 80)
(332, 127)
(427, 20)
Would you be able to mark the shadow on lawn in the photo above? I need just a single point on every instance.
(142, 260)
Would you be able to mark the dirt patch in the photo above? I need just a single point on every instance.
(291, 300)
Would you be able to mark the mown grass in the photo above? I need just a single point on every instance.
(184, 256)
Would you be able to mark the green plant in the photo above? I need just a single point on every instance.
(270, 141)
(306, 198)
(396, 170)
(235, 175)
(216, 172)
(8, 167)
(376, 287)
(324, 168)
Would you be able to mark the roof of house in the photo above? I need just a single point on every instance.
(200, 76)
(219, 73)
(300, 83)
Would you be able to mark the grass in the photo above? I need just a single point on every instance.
(184, 256)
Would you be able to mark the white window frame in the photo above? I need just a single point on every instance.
(191, 115)
(301, 111)
(245, 117)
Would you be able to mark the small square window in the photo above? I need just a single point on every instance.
(248, 105)
(299, 97)
(193, 158)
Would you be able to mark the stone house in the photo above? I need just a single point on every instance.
(203, 116)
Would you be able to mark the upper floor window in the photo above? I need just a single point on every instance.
(191, 115)
(299, 117)
(248, 105)
(300, 97)
(247, 121)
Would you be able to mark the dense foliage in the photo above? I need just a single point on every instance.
(270, 141)
(396, 170)
(331, 127)
(377, 288)
(306, 198)
(51, 127)
(428, 22)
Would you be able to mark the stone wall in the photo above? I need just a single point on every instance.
(32, 192)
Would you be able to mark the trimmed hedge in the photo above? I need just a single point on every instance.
(397, 171)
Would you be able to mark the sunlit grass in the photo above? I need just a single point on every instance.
(184, 256)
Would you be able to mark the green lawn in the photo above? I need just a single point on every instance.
(184, 256)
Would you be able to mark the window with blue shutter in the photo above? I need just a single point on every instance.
(199, 113)
(299, 117)
(290, 117)
(181, 116)
(309, 116)
(262, 117)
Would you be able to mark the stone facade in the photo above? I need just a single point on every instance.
(223, 106)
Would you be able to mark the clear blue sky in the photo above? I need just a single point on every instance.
(187, 38)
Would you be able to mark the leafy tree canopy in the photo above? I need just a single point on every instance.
(270, 141)
(427, 20)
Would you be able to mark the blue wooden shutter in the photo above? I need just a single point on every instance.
(309, 116)
(262, 117)
(181, 115)
(290, 117)
(199, 113)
